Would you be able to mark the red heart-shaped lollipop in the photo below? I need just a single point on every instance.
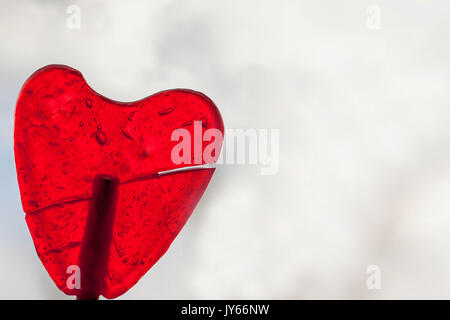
(93, 181)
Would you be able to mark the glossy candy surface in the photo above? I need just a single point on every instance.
(66, 135)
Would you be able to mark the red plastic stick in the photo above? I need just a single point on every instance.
(97, 237)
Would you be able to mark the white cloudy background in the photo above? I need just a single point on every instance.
(364, 119)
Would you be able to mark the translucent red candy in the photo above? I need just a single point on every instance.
(66, 136)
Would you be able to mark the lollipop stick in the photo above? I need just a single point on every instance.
(97, 237)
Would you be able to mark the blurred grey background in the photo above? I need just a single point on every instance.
(363, 108)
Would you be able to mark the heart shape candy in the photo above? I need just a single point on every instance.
(70, 141)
